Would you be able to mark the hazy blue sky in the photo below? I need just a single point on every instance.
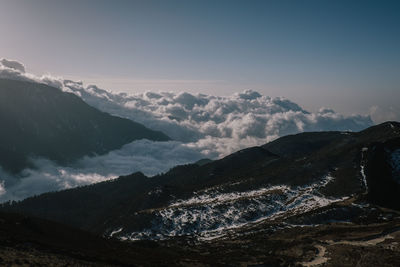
(339, 54)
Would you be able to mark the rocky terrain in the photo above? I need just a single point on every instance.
(372, 239)
(323, 198)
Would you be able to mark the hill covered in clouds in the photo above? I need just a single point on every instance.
(202, 126)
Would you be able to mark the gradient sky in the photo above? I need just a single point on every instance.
(338, 54)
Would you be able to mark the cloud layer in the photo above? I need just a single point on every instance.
(146, 156)
(217, 126)
(201, 125)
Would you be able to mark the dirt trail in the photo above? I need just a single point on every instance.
(319, 258)
(366, 243)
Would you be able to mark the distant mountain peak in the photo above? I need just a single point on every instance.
(40, 121)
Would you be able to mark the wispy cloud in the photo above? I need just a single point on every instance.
(381, 114)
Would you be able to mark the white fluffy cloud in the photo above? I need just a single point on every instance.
(382, 114)
(12, 64)
(201, 125)
(220, 125)
(146, 156)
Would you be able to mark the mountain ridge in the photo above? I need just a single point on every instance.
(41, 121)
(328, 199)
(329, 171)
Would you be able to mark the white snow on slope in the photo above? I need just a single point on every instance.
(116, 231)
(362, 168)
(211, 214)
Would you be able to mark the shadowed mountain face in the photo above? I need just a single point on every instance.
(40, 121)
(288, 178)
(28, 241)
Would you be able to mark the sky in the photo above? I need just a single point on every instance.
(337, 54)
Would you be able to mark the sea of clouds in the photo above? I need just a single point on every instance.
(202, 126)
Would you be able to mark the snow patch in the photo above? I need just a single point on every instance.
(116, 232)
(209, 213)
(364, 177)
(362, 169)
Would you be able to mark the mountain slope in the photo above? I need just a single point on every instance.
(40, 121)
(29, 241)
(301, 200)
(305, 173)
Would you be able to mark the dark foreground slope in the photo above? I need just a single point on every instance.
(328, 199)
(28, 241)
(290, 176)
(40, 121)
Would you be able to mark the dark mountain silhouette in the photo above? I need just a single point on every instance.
(290, 202)
(314, 168)
(29, 241)
(37, 120)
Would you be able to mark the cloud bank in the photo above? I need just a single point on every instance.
(217, 125)
(143, 155)
(201, 125)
